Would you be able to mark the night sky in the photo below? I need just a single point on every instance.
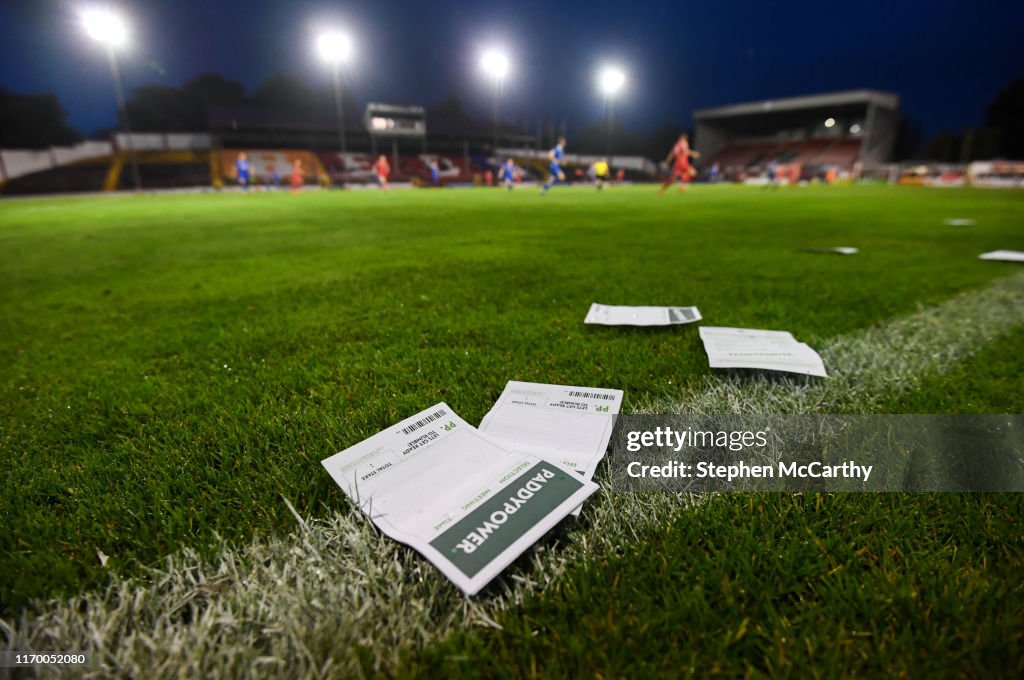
(946, 58)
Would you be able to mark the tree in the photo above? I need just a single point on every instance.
(155, 108)
(206, 91)
(664, 139)
(593, 140)
(909, 140)
(1006, 113)
(449, 108)
(944, 147)
(286, 92)
(211, 89)
(33, 121)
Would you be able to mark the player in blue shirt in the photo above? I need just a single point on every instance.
(507, 173)
(773, 173)
(435, 173)
(555, 165)
(242, 170)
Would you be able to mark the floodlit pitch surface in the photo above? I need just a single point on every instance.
(173, 369)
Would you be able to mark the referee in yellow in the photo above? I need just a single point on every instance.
(601, 173)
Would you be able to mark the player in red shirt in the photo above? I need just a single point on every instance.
(681, 168)
(382, 169)
(296, 175)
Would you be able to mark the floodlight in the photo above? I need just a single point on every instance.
(611, 80)
(495, 64)
(854, 129)
(104, 26)
(333, 46)
(110, 30)
(830, 122)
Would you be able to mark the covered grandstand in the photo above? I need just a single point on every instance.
(207, 159)
(460, 144)
(811, 135)
(273, 139)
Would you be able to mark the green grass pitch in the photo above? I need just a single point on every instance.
(172, 365)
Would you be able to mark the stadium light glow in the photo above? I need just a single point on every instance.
(495, 63)
(854, 129)
(110, 30)
(611, 80)
(830, 122)
(333, 46)
(104, 26)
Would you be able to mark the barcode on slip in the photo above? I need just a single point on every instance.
(591, 395)
(423, 421)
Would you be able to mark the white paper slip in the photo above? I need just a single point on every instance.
(467, 503)
(838, 250)
(960, 222)
(752, 348)
(1003, 255)
(564, 424)
(618, 315)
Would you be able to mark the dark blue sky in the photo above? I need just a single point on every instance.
(946, 58)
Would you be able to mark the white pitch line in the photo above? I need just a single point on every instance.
(335, 598)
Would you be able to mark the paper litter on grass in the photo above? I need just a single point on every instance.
(568, 425)
(752, 348)
(838, 250)
(1003, 255)
(468, 504)
(620, 315)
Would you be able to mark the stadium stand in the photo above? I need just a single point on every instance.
(157, 170)
(254, 126)
(263, 163)
(810, 150)
(817, 132)
(535, 163)
(17, 162)
(355, 168)
(272, 140)
(166, 160)
(83, 176)
(461, 169)
(741, 155)
(168, 175)
(843, 153)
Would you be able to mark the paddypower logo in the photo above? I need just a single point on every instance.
(479, 537)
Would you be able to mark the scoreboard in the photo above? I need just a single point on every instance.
(389, 120)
